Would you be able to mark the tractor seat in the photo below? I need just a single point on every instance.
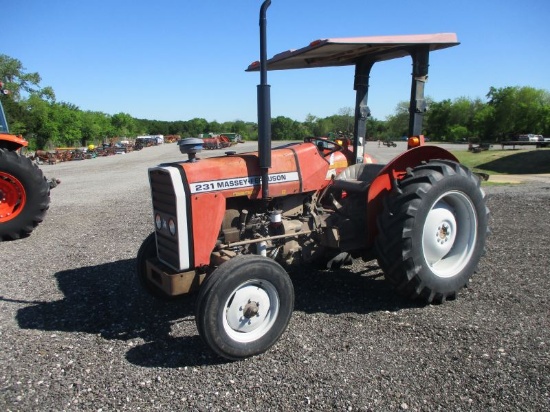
(357, 178)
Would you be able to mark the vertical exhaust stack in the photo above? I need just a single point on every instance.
(264, 106)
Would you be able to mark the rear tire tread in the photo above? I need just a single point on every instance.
(394, 243)
(37, 190)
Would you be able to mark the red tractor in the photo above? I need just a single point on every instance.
(216, 142)
(24, 191)
(228, 226)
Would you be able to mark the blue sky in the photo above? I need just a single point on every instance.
(180, 59)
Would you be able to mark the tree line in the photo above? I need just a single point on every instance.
(34, 112)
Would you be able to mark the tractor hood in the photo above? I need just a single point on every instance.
(295, 168)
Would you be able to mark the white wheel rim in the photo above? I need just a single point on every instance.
(251, 310)
(449, 234)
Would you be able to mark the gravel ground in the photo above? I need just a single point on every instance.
(78, 334)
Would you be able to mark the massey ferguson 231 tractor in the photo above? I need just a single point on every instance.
(24, 192)
(227, 226)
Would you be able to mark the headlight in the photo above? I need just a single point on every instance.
(172, 227)
(158, 221)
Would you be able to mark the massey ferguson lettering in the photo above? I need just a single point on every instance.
(241, 182)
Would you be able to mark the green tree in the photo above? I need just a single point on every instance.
(284, 128)
(518, 110)
(123, 124)
(453, 120)
(343, 122)
(531, 104)
(484, 119)
(439, 119)
(241, 127)
(545, 115)
(323, 127)
(67, 117)
(95, 127)
(309, 124)
(17, 80)
(197, 126)
(458, 133)
(215, 127)
(397, 125)
(43, 131)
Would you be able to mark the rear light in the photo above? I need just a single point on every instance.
(415, 141)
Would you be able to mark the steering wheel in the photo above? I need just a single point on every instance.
(328, 146)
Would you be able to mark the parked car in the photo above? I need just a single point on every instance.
(529, 138)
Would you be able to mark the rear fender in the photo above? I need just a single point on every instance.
(12, 142)
(395, 170)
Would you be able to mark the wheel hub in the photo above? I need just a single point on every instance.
(248, 309)
(444, 233)
(251, 309)
(439, 233)
(12, 197)
(449, 234)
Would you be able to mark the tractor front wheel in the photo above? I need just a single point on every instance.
(244, 306)
(432, 232)
(148, 250)
(24, 195)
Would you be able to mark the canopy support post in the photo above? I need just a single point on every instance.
(362, 111)
(417, 108)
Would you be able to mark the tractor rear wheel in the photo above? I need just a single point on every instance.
(244, 306)
(24, 195)
(432, 232)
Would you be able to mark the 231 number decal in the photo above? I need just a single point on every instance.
(203, 187)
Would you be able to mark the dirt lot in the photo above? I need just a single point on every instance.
(78, 334)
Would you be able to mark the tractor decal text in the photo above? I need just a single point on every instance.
(241, 182)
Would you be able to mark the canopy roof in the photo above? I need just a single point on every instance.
(349, 50)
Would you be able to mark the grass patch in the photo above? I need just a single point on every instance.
(515, 162)
(490, 183)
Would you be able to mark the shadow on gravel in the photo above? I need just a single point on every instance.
(345, 291)
(525, 162)
(105, 300)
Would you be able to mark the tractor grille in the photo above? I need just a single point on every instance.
(165, 205)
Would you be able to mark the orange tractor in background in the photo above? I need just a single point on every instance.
(216, 142)
(24, 191)
(228, 226)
